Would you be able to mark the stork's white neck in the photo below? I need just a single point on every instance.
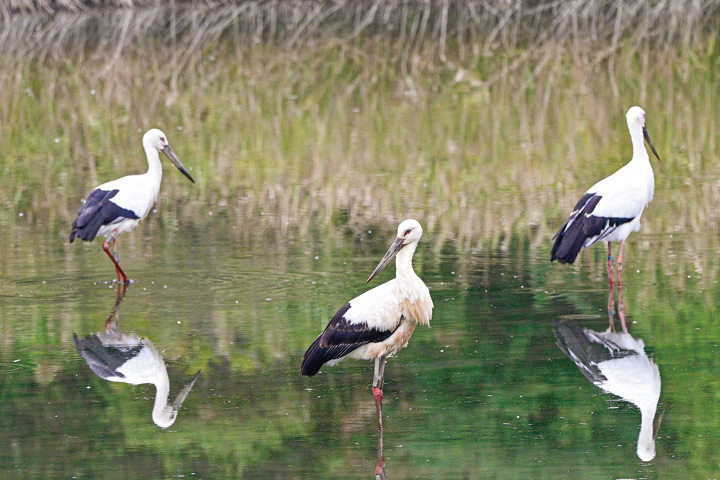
(160, 413)
(638, 143)
(154, 165)
(403, 262)
(646, 441)
(410, 290)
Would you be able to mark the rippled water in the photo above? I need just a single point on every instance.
(306, 157)
(485, 392)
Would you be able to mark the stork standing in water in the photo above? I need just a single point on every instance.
(611, 209)
(378, 323)
(118, 206)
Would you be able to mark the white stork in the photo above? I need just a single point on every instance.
(379, 322)
(118, 206)
(611, 209)
(616, 363)
(125, 357)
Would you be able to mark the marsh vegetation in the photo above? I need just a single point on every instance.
(311, 129)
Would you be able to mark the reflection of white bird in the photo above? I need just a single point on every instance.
(611, 209)
(118, 206)
(379, 322)
(120, 357)
(616, 362)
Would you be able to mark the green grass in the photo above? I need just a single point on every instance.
(337, 125)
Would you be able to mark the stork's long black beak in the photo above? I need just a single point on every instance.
(184, 392)
(396, 246)
(647, 139)
(659, 422)
(176, 161)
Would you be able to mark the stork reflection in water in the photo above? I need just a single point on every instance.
(616, 362)
(380, 473)
(125, 357)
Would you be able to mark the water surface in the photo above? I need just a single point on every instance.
(306, 157)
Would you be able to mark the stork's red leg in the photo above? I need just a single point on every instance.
(619, 263)
(609, 264)
(115, 252)
(118, 270)
(116, 308)
(621, 312)
(378, 380)
(611, 308)
(380, 464)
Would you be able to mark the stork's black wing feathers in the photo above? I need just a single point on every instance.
(587, 349)
(102, 359)
(338, 339)
(570, 239)
(98, 210)
(580, 226)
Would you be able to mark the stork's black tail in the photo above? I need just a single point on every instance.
(340, 337)
(587, 348)
(314, 358)
(104, 360)
(583, 228)
(579, 226)
(98, 210)
(569, 240)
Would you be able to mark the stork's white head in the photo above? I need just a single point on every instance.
(646, 452)
(635, 116)
(636, 124)
(155, 139)
(165, 415)
(408, 233)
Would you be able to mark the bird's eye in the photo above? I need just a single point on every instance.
(162, 139)
(407, 232)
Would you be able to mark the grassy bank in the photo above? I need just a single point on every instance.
(485, 128)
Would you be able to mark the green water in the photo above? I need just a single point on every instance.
(306, 158)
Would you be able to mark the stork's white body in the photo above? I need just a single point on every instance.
(626, 193)
(397, 306)
(611, 209)
(634, 378)
(378, 323)
(117, 206)
(620, 367)
(126, 358)
(136, 193)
